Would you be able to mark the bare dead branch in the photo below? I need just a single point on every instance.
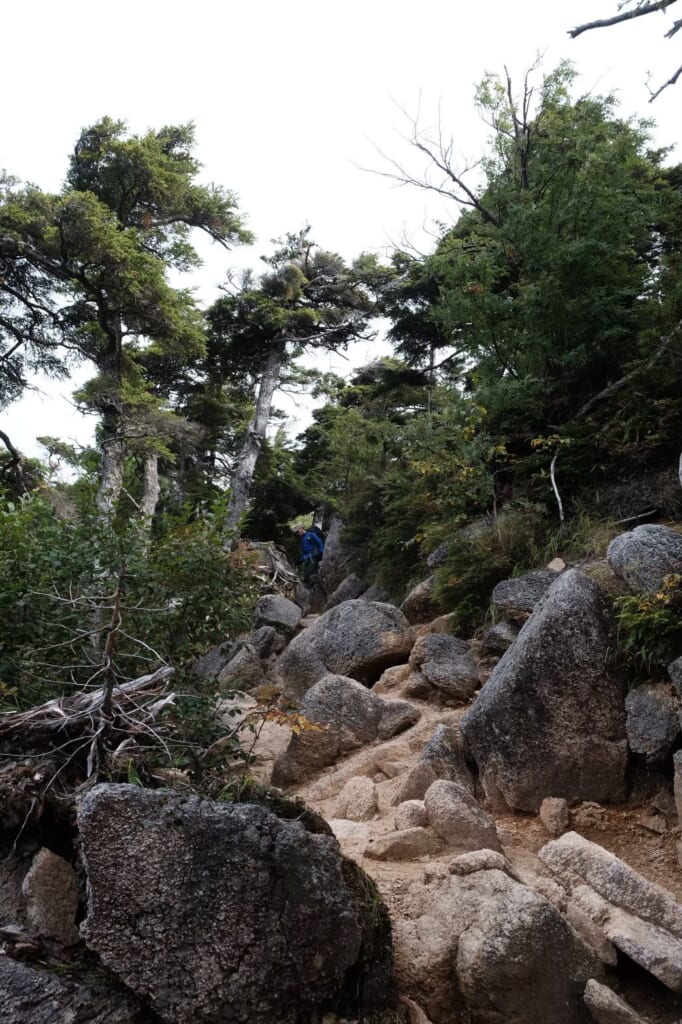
(636, 12)
(439, 154)
(619, 384)
(14, 452)
(639, 11)
(552, 477)
(671, 81)
(109, 648)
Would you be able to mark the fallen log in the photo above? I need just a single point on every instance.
(133, 704)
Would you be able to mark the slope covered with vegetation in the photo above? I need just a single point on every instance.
(533, 390)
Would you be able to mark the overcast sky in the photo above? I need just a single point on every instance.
(289, 101)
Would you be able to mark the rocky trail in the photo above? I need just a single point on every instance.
(391, 815)
(624, 831)
(619, 829)
(506, 806)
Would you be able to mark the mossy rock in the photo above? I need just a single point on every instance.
(610, 586)
(288, 808)
(370, 992)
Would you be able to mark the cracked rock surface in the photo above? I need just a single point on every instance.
(214, 912)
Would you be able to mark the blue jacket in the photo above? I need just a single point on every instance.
(312, 546)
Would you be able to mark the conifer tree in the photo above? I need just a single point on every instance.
(85, 276)
(309, 299)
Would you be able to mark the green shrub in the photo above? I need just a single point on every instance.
(181, 593)
(521, 538)
(480, 557)
(582, 536)
(649, 626)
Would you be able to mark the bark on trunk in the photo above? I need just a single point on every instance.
(248, 456)
(111, 473)
(110, 405)
(150, 487)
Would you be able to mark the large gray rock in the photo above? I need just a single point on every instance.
(652, 720)
(446, 751)
(347, 590)
(28, 996)
(396, 716)
(591, 934)
(576, 860)
(345, 715)
(421, 605)
(337, 558)
(391, 682)
(497, 638)
(357, 801)
(439, 555)
(677, 782)
(277, 611)
(216, 912)
(550, 721)
(446, 664)
(675, 673)
(244, 671)
(481, 860)
(13, 870)
(248, 649)
(457, 818)
(443, 757)
(516, 598)
(264, 641)
(211, 664)
(51, 891)
(608, 1008)
(376, 593)
(640, 918)
(405, 844)
(411, 814)
(554, 815)
(485, 948)
(652, 948)
(645, 555)
(358, 639)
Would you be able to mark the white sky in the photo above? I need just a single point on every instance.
(286, 98)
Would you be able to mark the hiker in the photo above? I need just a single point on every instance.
(312, 549)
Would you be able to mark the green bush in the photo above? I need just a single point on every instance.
(180, 594)
(480, 557)
(649, 626)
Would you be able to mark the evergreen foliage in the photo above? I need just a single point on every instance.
(536, 368)
(544, 328)
(85, 276)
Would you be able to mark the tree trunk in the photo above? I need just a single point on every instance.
(111, 472)
(150, 487)
(13, 467)
(248, 456)
(110, 406)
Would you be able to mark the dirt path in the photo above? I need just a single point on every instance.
(629, 831)
(619, 829)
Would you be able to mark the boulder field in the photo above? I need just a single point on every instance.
(488, 831)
